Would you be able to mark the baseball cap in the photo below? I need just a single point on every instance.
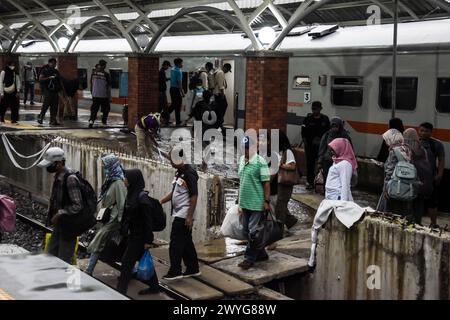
(52, 155)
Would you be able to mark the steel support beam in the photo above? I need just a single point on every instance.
(214, 22)
(303, 11)
(53, 13)
(277, 14)
(245, 25)
(441, 4)
(157, 37)
(211, 31)
(131, 41)
(143, 15)
(408, 10)
(40, 27)
(255, 14)
(78, 35)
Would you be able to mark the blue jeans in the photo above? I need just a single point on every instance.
(252, 225)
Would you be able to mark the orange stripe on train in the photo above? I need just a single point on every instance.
(380, 128)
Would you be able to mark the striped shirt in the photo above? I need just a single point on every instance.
(252, 174)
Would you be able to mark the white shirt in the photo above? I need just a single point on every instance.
(220, 82)
(338, 182)
(2, 85)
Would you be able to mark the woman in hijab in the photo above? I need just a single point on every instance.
(338, 184)
(337, 130)
(424, 172)
(10, 84)
(138, 228)
(113, 194)
(394, 123)
(395, 141)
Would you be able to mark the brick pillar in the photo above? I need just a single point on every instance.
(267, 91)
(143, 86)
(67, 65)
(6, 57)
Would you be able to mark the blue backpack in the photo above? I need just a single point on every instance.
(403, 184)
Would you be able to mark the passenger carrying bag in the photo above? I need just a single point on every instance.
(158, 214)
(84, 220)
(287, 177)
(145, 269)
(402, 185)
(232, 225)
(269, 231)
(7, 214)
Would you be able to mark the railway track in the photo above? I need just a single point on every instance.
(81, 246)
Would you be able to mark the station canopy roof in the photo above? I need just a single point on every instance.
(39, 20)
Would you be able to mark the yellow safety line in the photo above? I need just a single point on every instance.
(5, 296)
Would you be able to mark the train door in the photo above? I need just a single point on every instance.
(229, 118)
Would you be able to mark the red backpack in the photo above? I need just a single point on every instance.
(7, 214)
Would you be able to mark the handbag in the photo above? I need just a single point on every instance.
(104, 215)
(270, 230)
(319, 183)
(287, 177)
(11, 88)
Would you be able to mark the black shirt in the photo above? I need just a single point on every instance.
(162, 80)
(50, 84)
(190, 176)
(314, 128)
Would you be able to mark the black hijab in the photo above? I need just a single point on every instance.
(136, 185)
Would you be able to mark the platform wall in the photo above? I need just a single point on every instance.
(377, 260)
(86, 159)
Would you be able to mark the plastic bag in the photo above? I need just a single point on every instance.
(232, 225)
(47, 242)
(145, 269)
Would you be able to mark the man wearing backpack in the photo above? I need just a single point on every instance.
(66, 201)
(436, 155)
(51, 83)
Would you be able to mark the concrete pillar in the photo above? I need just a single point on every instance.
(67, 65)
(6, 57)
(143, 86)
(266, 91)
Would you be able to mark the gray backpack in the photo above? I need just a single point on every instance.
(403, 184)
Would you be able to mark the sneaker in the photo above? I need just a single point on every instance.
(245, 265)
(172, 276)
(91, 124)
(148, 291)
(188, 274)
(55, 123)
(39, 120)
(434, 226)
(31, 103)
(263, 258)
(14, 122)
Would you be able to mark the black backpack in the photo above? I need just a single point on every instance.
(158, 214)
(193, 81)
(83, 221)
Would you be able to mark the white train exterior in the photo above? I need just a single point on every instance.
(348, 71)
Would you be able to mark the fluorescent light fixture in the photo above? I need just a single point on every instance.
(63, 42)
(267, 35)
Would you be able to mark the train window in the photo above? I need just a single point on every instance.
(82, 75)
(115, 77)
(347, 91)
(406, 93)
(302, 82)
(443, 95)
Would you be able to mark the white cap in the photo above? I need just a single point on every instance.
(52, 155)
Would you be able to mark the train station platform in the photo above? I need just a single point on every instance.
(26, 276)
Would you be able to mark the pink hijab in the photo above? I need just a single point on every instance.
(344, 151)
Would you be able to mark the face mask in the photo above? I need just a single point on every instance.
(12, 67)
(51, 168)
